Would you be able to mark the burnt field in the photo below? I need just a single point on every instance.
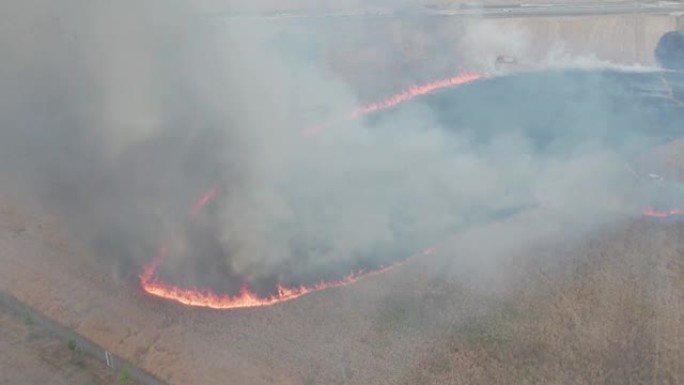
(497, 300)
(515, 138)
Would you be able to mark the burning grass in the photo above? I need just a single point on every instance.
(246, 297)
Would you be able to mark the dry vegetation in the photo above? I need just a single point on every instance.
(31, 355)
(613, 316)
(606, 308)
(378, 58)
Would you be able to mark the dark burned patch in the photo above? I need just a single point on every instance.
(559, 112)
(205, 262)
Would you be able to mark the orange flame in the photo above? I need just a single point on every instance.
(151, 284)
(462, 77)
(246, 298)
(651, 212)
(203, 201)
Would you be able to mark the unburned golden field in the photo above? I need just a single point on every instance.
(585, 309)
(396, 54)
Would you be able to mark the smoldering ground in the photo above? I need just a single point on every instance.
(117, 117)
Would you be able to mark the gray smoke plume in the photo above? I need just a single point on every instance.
(118, 116)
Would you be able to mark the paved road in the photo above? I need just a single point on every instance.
(551, 8)
(10, 303)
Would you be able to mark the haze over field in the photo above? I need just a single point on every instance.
(117, 116)
(527, 187)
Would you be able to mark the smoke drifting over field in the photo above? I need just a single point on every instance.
(118, 115)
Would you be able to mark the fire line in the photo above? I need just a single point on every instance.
(153, 285)
(246, 298)
(463, 77)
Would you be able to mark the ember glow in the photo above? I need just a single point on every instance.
(199, 297)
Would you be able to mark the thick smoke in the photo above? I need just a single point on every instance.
(117, 116)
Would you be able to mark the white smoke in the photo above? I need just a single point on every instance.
(119, 115)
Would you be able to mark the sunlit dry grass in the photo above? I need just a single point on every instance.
(616, 319)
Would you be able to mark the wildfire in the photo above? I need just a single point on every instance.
(198, 297)
(651, 212)
(203, 201)
(462, 77)
(246, 298)
(151, 283)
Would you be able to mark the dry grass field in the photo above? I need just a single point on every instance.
(379, 57)
(600, 308)
(31, 355)
(614, 317)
